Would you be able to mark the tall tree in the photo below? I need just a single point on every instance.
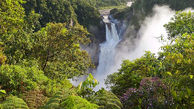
(58, 50)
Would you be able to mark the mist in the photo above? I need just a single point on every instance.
(151, 29)
(149, 34)
(148, 40)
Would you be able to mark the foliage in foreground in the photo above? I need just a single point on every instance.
(76, 102)
(18, 78)
(34, 98)
(14, 102)
(68, 99)
(106, 100)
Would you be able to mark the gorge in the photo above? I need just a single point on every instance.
(116, 48)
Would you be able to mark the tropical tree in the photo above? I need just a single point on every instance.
(180, 24)
(13, 33)
(57, 46)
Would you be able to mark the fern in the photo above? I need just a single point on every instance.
(106, 100)
(54, 102)
(34, 99)
(67, 99)
(13, 102)
(76, 102)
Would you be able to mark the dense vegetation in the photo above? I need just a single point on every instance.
(72, 12)
(62, 11)
(69, 11)
(163, 81)
(40, 50)
(142, 8)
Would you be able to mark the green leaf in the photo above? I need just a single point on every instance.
(191, 76)
(189, 91)
(80, 85)
(174, 94)
(3, 91)
(169, 73)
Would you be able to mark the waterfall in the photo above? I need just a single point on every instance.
(111, 55)
(107, 54)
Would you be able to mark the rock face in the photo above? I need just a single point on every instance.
(93, 50)
(105, 12)
(98, 36)
(98, 32)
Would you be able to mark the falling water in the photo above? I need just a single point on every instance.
(111, 57)
(107, 53)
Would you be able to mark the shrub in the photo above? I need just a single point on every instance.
(152, 93)
(18, 78)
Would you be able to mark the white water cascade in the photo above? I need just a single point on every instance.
(107, 53)
(114, 51)
(111, 56)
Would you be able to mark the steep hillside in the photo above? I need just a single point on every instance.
(135, 14)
